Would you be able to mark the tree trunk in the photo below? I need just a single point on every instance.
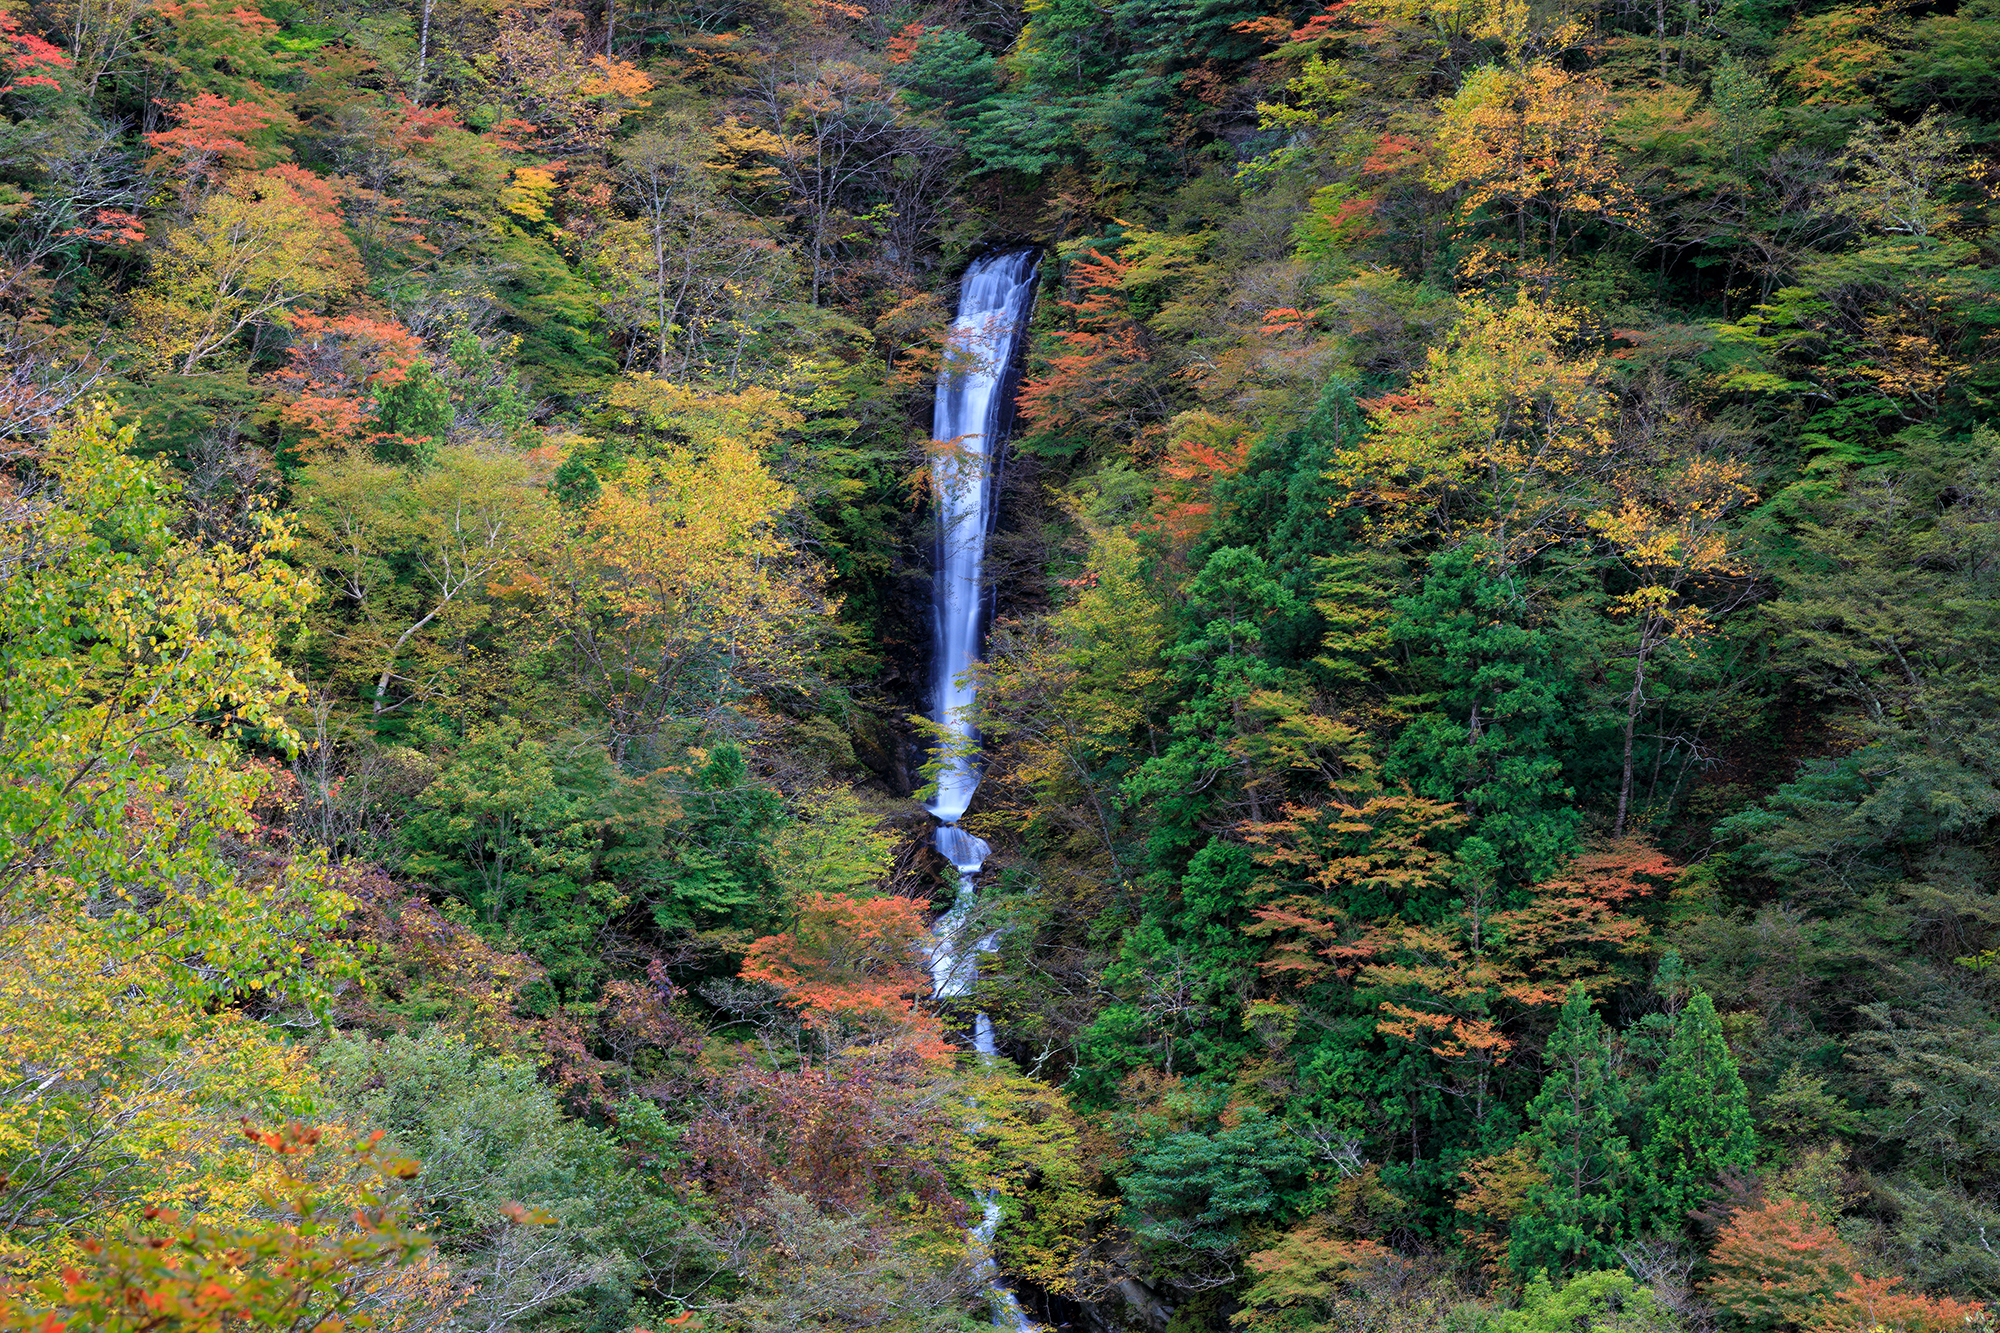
(396, 651)
(660, 284)
(1634, 703)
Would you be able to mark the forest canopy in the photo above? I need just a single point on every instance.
(1490, 716)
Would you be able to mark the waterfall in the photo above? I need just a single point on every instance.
(970, 420)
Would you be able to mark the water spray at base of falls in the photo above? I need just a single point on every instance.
(969, 423)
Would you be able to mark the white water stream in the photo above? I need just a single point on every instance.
(993, 304)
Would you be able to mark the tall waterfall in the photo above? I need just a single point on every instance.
(970, 418)
(971, 412)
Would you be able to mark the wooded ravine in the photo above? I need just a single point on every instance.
(1422, 757)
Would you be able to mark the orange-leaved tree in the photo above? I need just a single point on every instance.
(849, 967)
(1496, 1190)
(1782, 1266)
(1314, 1271)
(1460, 988)
(1332, 867)
(1203, 450)
(1777, 1264)
(1106, 376)
(213, 137)
(332, 369)
(1880, 1305)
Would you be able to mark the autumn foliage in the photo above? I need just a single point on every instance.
(213, 136)
(1489, 698)
(1781, 1266)
(1868, 1304)
(1202, 450)
(31, 61)
(329, 1257)
(848, 965)
(333, 366)
(846, 1133)
(1103, 372)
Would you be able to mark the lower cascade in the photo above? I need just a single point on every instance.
(969, 424)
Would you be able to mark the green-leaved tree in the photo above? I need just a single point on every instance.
(1575, 1216)
(1698, 1121)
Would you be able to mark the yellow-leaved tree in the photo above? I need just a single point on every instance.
(1026, 1149)
(1667, 529)
(411, 557)
(254, 253)
(129, 651)
(333, 1247)
(138, 894)
(125, 1104)
(1063, 697)
(1526, 145)
(685, 273)
(1506, 433)
(674, 592)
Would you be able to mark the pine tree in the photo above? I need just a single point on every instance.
(1574, 1217)
(1698, 1122)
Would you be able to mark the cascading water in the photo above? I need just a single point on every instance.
(970, 420)
(971, 413)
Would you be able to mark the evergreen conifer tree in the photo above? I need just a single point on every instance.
(1698, 1122)
(1575, 1215)
(1496, 717)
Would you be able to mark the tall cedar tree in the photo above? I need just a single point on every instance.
(1575, 1217)
(1698, 1122)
